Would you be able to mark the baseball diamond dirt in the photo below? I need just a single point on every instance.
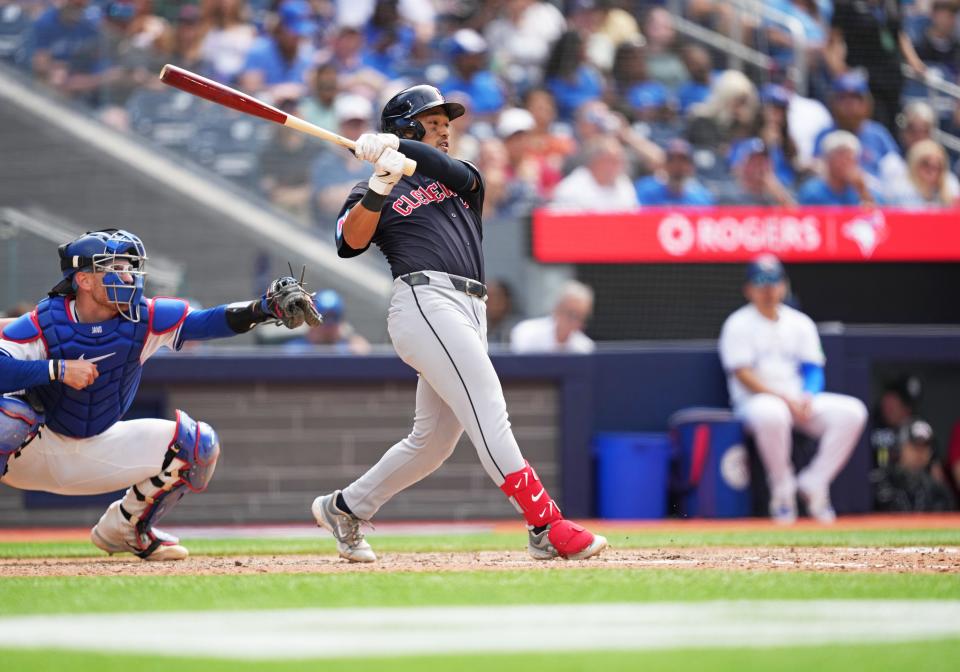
(787, 552)
(819, 559)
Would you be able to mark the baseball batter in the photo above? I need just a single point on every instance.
(429, 228)
(774, 363)
(69, 370)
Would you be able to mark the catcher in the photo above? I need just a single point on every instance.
(72, 366)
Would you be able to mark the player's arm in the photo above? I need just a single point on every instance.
(286, 302)
(24, 363)
(356, 226)
(436, 165)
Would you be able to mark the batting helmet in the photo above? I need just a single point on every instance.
(113, 252)
(399, 112)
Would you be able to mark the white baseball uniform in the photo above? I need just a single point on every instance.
(774, 350)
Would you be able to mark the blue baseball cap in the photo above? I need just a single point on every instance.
(854, 82)
(330, 305)
(744, 149)
(775, 94)
(297, 17)
(765, 270)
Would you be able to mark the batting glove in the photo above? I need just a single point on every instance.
(387, 171)
(370, 146)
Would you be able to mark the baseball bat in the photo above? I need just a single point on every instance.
(222, 94)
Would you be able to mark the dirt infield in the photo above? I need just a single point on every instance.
(875, 560)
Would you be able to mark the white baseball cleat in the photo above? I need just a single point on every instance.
(114, 534)
(344, 527)
(540, 547)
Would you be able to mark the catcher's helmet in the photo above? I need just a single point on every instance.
(399, 112)
(113, 252)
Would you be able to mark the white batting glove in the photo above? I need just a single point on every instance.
(371, 145)
(387, 171)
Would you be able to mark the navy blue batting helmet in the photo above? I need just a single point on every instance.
(399, 112)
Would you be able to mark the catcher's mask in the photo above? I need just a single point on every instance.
(399, 112)
(115, 253)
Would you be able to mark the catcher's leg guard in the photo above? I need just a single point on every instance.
(563, 537)
(188, 465)
(19, 423)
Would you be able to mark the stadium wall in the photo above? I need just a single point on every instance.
(294, 426)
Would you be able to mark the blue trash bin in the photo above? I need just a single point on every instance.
(633, 471)
(711, 473)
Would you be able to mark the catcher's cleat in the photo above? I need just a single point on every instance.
(344, 527)
(578, 542)
(114, 534)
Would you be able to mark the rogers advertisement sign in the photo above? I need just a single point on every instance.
(739, 234)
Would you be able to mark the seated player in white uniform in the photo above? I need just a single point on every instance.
(70, 369)
(562, 331)
(774, 363)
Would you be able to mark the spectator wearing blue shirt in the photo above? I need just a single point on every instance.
(675, 184)
(851, 105)
(696, 89)
(814, 25)
(775, 132)
(69, 53)
(471, 74)
(843, 180)
(333, 333)
(647, 98)
(285, 56)
(568, 76)
(756, 182)
(389, 42)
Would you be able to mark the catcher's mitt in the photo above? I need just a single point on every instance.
(290, 303)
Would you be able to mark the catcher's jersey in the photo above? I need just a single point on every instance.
(774, 349)
(118, 347)
(425, 226)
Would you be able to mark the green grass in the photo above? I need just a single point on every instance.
(498, 541)
(934, 656)
(48, 595)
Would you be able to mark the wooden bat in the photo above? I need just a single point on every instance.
(221, 94)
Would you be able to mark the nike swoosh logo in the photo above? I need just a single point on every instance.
(96, 359)
(536, 498)
(385, 174)
(526, 479)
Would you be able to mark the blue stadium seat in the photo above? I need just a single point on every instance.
(14, 29)
(229, 144)
(167, 117)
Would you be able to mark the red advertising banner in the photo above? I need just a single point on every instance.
(739, 234)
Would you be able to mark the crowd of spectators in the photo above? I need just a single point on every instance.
(598, 104)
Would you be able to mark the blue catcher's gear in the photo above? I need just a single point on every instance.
(19, 423)
(115, 345)
(118, 255)
(188, 465)
(399, 112)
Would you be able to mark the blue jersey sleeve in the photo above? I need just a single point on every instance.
(20, 375)
(202, 325)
